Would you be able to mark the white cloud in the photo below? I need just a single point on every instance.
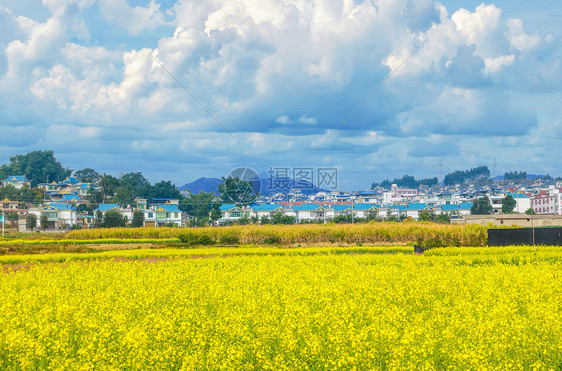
(133, 19)
(280, 75)
(495, 64)
(520, 40)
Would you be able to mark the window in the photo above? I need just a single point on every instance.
(235, 214)
(176, 215)
(150, 215)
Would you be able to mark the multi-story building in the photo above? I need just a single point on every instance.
(547, 202)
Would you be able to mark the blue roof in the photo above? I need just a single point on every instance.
(517, 195)
(449, 207)
(169, 208)
(71, 198)
(418, 206)
(107, 207)
(398, 207)
(362, 206)
(341, 207)
(309, 207)
(86, 186)
(227, 207)
(59, 206)
(18, 178)
(71, 179)
(465, 205)
(269, 207)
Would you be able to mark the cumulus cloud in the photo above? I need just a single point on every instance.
(133, 19)
(288, 78)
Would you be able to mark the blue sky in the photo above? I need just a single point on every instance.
(285, 85)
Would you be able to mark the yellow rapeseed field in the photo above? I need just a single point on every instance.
(455, 310)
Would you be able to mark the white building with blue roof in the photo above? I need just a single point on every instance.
(160, 215)
(59, 215)
(17, 181)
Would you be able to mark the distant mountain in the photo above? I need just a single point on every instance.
(209, 185)
(268, 186)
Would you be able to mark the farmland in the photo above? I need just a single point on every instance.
(284, 308)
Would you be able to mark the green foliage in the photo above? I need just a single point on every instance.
(192, 239)
(98, 219)
(459, 177)
(426, 216)
(87, 175)
(443, 218)
(25, 194)
(198, 207)
(236, 191)
(278, 218)
(108, 184)
(44, 222)
(481, 206)
(164, 189)
(229, 239)
(31, 221)
(508, 204)
(113, 219)
(138, 219)
(530, 211)
(406, 181)
(94, 196)
(515, 175)
(37, 166)
(86, 209)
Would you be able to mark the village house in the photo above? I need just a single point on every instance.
(17, 181)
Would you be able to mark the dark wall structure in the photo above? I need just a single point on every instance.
(525, 236)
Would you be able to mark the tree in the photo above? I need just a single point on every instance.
(481, 206)
(138, 219)
(62, 224)
(530, 211)
(508, 204)
(37, 166)
(108, 183)
(86, 209)
(113, 219)
(31, 222)
(87, 175)
(10, 192)
(515, 175)
(198, 206)
(236, 191)
(460, 177)
(13, 217)
(44, 222)
(98, 219)
(216, 213)
(425, 216)
(443, 218)
(94, 196)
(165, 189)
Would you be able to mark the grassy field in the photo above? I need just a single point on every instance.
(345, 308)
(285, 235)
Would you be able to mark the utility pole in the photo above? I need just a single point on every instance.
(352, 212)
(3, 221)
